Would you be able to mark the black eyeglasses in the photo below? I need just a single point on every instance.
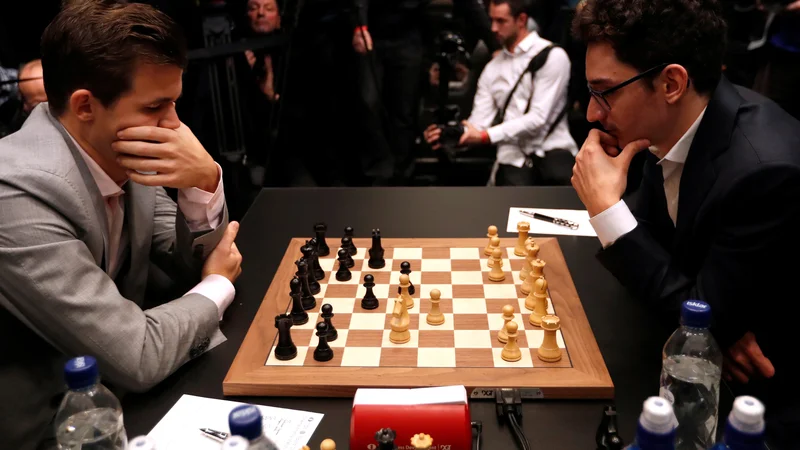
(600, 96)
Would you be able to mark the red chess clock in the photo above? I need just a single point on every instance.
(442, 413)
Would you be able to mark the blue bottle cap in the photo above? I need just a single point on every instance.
(81, 372)
(245, 421)
(696, 313)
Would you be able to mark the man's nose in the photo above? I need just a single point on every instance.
(595, 111)
(170, 119)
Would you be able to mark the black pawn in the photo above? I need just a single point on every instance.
(343, 274)
(313, 284)
(405, 268)
(385, 438)
(299, 315)
(309, 302)
(323, 352)
(285, 350)
(327, 315)
(316, 268)
(369, 301)
(376, 252)
(346, 246)
(322, 246)
(348, 231)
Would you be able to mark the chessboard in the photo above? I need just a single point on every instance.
(553, 353)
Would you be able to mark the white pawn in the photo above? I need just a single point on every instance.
(435, 316)
(495, 244)
(511, 351)
(508, 316)
(327, 444)
(497, 274)
(492, 232)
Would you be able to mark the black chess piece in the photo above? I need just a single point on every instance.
(299, 315)
(376, 252)
(348, 231)
(327, 315)
(369, 301)
(285, 350)
(309, 302)
(322, 246)
(346, 246)
(385, 438)
(343, 274)
(607, 436)
(323, 352)
(405, 268)
(313, 284)
(316, 268)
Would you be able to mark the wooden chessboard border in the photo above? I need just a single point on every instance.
(587, 378)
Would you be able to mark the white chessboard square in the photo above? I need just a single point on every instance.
(499, 291)
(445, 290)
(296, 361)
(496, 321)
(340, 305)
(448, 324)
(414, 276)
(526, 360)
(390, 305)
(327, 264)
(466, 253)
(361, 253)
(312, 321)
(380, 290)
(511, 255)
(367, 269)
(536, 336)
(436, 265)
(469, 306)
(515, 276)
(340, 342)
(485, 265)
(403, 254)
(472, 339)
(413, 343)
(361, 357)
(466, 277)
(436, 357)
(367, 321)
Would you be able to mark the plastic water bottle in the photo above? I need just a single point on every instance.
(744, 429)
(90, 416)
(690, 377)
(235, 443)
(246, 421)
(656, 427)
(142, 443)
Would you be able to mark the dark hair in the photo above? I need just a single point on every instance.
(646, 33)
(96, 44)
(517, 7)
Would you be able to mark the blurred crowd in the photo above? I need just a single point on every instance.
(391, 92)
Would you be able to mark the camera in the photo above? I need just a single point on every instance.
(450, 50)
(451, 134)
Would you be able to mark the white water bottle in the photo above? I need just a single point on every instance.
(744, 429)
(656, 427)
(246, 421)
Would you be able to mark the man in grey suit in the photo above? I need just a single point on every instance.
(84, 218)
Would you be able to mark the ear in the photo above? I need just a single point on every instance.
(82, 105)
(675, 80)
(522, 20)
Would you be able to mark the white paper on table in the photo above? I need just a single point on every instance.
(581, 217)
(179, 429)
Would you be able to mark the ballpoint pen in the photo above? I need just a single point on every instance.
(554, 220)
(214, 433)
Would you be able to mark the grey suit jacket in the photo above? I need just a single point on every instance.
(57, 300)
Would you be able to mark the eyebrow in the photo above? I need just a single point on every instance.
(164, 99)
(601, 81)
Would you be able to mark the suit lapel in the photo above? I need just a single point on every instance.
(713, 137)
(139, 207)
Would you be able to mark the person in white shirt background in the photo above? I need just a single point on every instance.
(534, 144)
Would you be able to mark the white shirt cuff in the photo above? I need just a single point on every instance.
(218, 289)
(496, 134)
(613, 223)
(202, 209)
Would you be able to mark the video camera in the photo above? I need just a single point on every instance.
(450, 51)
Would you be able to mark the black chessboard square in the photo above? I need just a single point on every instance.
(341, 291)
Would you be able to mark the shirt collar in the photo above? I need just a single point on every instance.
(107, 186)
(680, 151)
(524, 45)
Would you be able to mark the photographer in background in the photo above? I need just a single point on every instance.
(777, 77)
(520, 105)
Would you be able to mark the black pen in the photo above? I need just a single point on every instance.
(214, 433)
(554, 220)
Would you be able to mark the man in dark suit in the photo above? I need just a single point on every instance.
(717, 213)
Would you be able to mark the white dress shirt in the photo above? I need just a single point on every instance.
(202, 210)
(522, 133)
(618, 220)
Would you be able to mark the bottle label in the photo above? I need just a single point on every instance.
(665, 393)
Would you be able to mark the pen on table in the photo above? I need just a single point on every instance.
(554, 220)
(214, 433)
